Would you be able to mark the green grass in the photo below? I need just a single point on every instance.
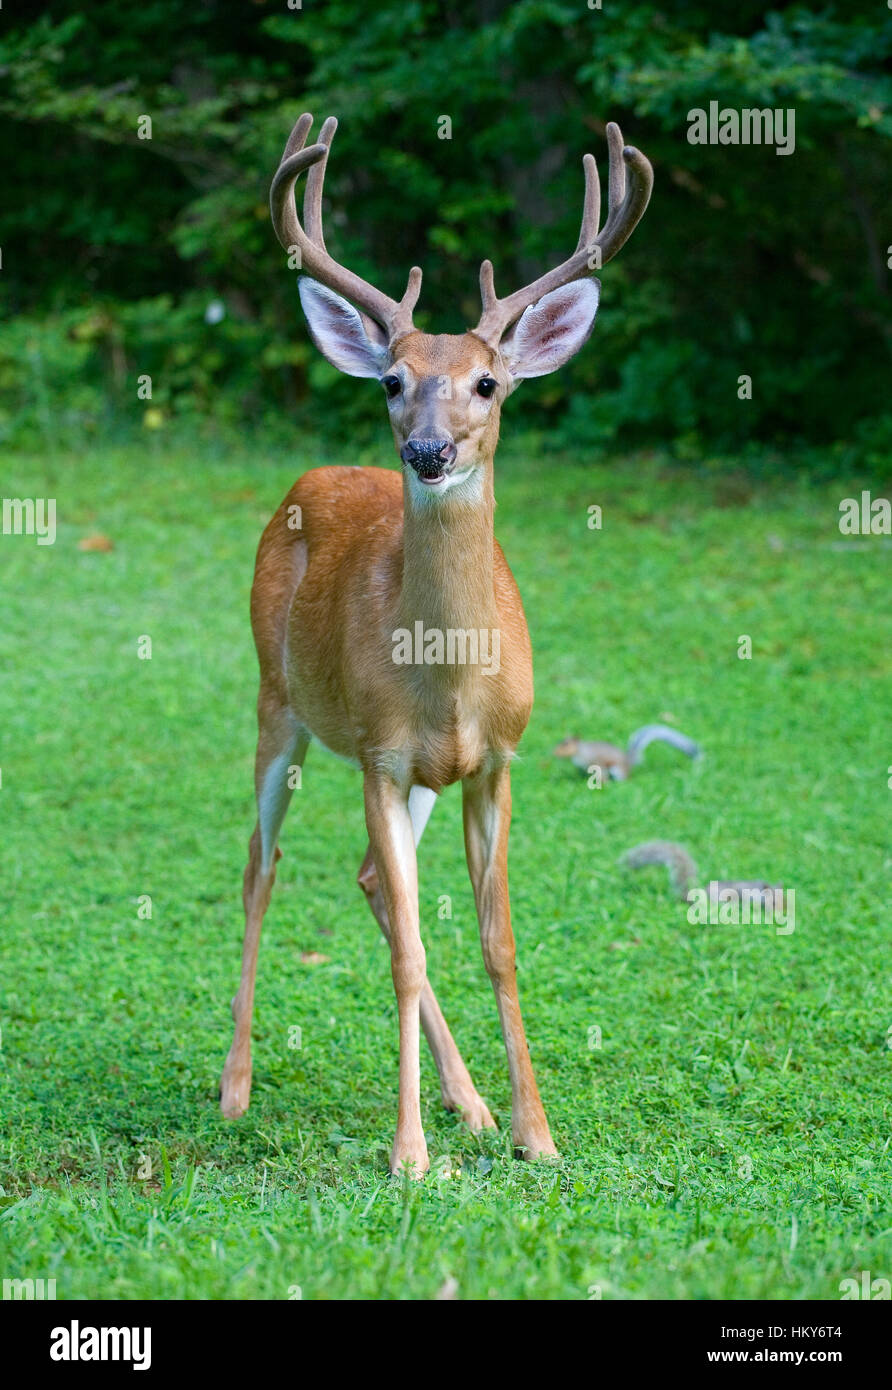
(731, 1135)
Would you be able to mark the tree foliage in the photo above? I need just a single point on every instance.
(748, 263)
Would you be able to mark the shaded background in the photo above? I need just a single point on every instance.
(119, 253)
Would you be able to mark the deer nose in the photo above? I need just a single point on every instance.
(428, 454)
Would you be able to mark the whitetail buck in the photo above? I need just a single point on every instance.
(381, 554)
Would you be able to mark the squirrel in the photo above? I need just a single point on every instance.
(683, 872)
(616, 763)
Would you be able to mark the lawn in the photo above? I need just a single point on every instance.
(721, 1095)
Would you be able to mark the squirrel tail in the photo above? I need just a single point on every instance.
(652, 733)
(682, 869)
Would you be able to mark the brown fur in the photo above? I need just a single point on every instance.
(374, 555)
(368, 574)
(328, 597)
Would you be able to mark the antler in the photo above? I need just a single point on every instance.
(625, 208)
(395, 317)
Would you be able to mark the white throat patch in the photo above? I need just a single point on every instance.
(469, 483)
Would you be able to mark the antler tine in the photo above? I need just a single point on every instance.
(281, 194)
(591, 207)
(297, 138)
(616, 175)
(633, 206)
(627, 201)
(402, 319)
(487, 287)
(315, 181)
(394, 317)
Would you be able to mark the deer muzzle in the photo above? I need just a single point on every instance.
(430, 454)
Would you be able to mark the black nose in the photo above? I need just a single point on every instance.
(429, 457)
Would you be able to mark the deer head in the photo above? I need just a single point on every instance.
(445, 391)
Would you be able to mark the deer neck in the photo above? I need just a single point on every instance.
(448, 543)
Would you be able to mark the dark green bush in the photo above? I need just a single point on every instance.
(748, 263)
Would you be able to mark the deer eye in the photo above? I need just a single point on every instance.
(392, 385)
(486, 386)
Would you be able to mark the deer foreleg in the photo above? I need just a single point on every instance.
(456, 1087)
(392, 845)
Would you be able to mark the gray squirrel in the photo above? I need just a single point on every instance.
(683, 872)
(616, 763)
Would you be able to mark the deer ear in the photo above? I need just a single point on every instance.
(354, 345)
(549, 332)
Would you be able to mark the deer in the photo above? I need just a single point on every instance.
(357, 558)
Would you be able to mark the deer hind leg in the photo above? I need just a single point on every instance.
(282, 745)
(456, 1087)
(487, 817)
